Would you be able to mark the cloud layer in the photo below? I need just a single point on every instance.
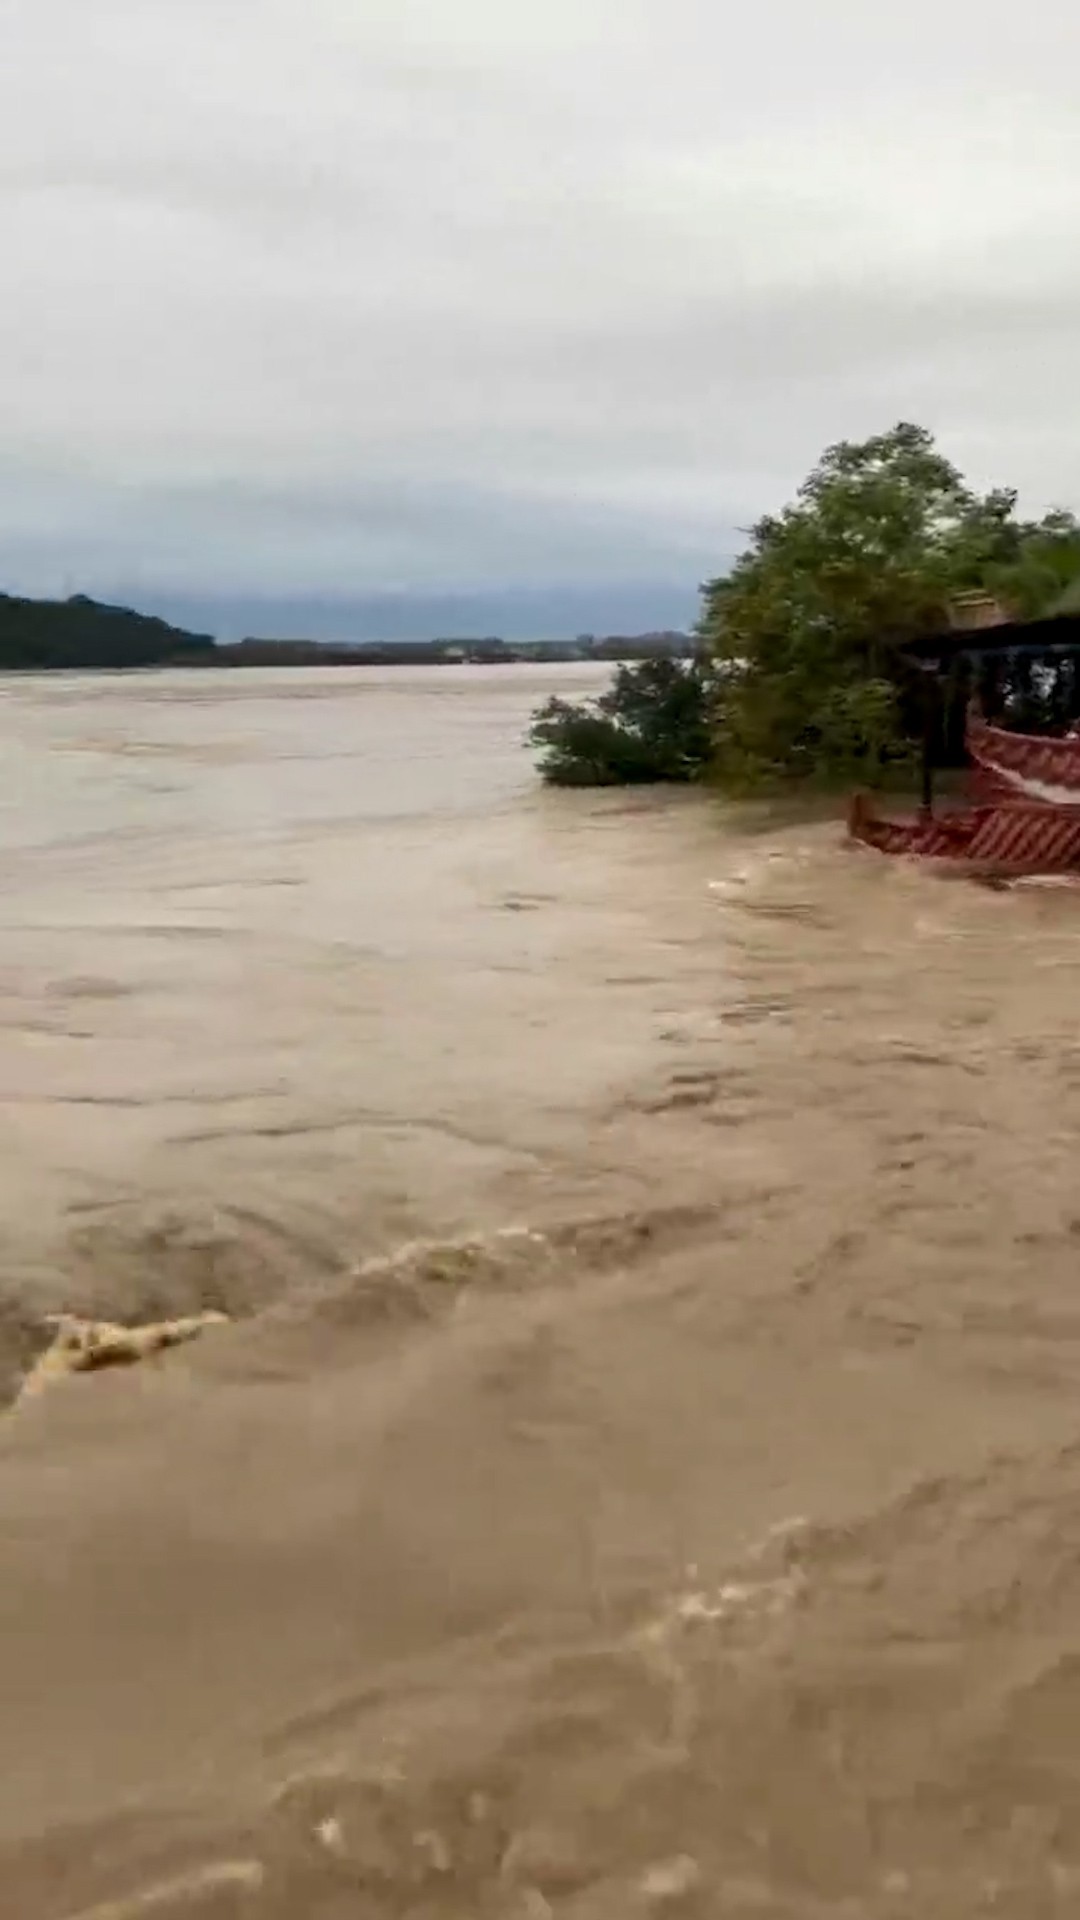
(313, 297)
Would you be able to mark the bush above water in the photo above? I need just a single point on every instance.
(652, 724)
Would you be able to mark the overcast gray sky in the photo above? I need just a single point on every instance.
(348, 297)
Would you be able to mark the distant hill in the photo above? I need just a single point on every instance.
(43, 634)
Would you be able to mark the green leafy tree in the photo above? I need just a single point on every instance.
(652, 724)
(1041, 574)
(806, 631)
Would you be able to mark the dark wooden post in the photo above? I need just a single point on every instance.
(931, 700)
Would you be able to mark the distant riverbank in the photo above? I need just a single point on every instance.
(82, 635)
(453, 653)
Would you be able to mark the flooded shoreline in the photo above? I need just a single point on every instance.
(648, 1477)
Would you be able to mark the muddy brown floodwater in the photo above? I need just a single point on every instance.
(643, 1475)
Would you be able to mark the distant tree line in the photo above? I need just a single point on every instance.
(37, 635)
(490, 652)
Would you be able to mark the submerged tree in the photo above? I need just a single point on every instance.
(652, 724)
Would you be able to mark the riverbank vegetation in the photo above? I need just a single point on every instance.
(652, 724)
(800, 673)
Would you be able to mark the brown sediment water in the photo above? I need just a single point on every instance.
(641, 1472)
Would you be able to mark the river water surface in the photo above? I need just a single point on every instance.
(644, 1470)
(308, 965)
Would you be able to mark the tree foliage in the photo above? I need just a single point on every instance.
(652, 724)
(805, 632)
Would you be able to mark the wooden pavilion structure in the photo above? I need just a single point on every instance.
(1016, 688)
